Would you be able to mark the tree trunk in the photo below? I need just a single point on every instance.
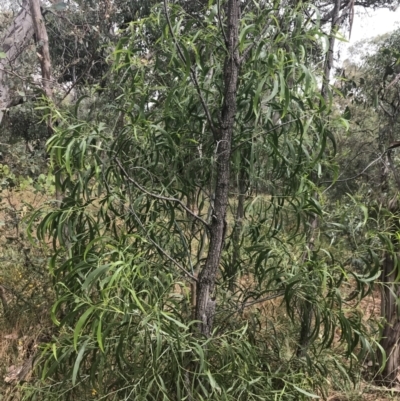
(391, 330)
(13, 44)
(42, 41)
(390, 293)
(205, 302)
(329, 56)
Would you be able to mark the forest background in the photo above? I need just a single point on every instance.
(199, 201)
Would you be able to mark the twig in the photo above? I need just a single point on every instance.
(263, 133)
(165, 198)
(394, 82)
(4, 301)
(351, 16)
(192, 74)
(15, 74)
(356, 176)
(175, 262)
(89, 65)
(220, 22)
(269, 298)
(246, 305)
(383, 108)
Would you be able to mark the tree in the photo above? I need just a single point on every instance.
(145, 304)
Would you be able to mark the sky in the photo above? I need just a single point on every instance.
(374, 23)
(370, 24)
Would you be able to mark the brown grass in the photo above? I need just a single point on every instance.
(21, 330)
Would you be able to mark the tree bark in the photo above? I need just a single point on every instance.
(13, 44)
(390, 293)
(205, 302)
(42, 41)
(329, 56)
(391, 330)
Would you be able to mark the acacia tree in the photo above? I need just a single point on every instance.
(143, 308)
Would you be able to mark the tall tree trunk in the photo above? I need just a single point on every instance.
(390, 293)
(391, 330)
(42, 41)
(13, 44)
(43, 52)
(205, 302)
(306, 310)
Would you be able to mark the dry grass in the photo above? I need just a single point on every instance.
(24, 313)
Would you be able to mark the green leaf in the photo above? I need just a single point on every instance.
(256, 105)
(81, 322)
(78, 362)
(347, 113)
(94, 275)
(306, 393)
(99, 334)
(274, 91)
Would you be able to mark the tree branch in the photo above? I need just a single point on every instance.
(220, 21)
(156, 196)
(357, 175)
(161, 250)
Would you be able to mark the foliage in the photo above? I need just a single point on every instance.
(132, 228)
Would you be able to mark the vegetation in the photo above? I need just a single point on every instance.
(191, 209)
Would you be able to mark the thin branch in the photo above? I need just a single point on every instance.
(394, 82)
(356, 176)
(89, 65)
(165, 198)
(192, 74)
(383, 107)
(351, 16)
(3, 299)
(263, 133)
(220, 22)
(7, 71)
(395, 173)
(355, 157)
(244, 305)
(175, 262)
(257, 301)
